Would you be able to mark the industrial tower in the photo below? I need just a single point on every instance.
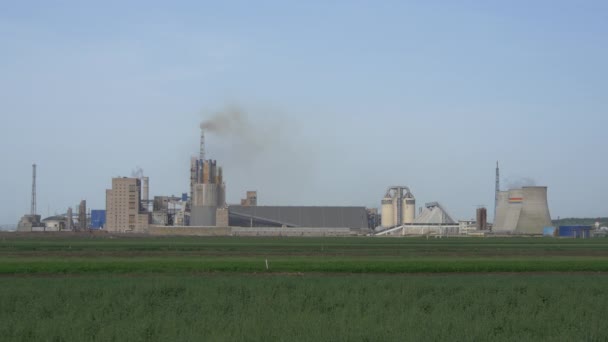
(33, 208)
(497, 189)
(207, 188)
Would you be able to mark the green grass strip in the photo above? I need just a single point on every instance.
(298, 264)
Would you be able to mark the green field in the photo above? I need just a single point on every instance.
(315, 289)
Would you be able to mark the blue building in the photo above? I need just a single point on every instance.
(98, 219)
(577, 232)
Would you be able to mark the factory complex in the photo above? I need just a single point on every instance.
(203, 210)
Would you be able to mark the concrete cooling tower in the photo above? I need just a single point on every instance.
(523, 211)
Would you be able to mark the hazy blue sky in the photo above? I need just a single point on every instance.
(344, 99)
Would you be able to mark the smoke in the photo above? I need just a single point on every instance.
(519, 182)
(230, 120)
(247, 139)
(138, 172)
(260, 149)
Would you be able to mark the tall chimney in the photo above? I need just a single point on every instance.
(146, 195)
(70, 222)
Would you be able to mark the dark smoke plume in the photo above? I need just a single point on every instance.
(259, 148)
(232, 125)
(230, 120)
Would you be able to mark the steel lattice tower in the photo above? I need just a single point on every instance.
(497, 190)
(202, 148)
(33, 209)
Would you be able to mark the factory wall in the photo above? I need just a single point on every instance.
(242, 231)
(189, 231)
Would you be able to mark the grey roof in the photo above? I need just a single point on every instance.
(313, 217)
(55, 218)
(434, 213)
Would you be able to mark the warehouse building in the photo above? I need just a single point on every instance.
(298, 216)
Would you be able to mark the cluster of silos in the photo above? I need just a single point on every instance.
(523, 211)
(398, 207)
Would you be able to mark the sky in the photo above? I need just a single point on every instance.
(341, 100)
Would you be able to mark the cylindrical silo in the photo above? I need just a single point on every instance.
(409, 209)
(388, 213)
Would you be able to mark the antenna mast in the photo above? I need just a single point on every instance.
(33, 209)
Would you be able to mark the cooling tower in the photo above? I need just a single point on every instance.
(534, 211)
(523, 211)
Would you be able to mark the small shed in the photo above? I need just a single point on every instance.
(549, 231)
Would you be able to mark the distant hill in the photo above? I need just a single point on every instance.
(578, 221)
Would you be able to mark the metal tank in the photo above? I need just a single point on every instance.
(388, 213)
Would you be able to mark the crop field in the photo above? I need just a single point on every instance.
(104, 288)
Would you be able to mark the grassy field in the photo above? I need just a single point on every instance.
(315, 289)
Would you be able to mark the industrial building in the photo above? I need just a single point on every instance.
(55, 223)
(398, 207)
(124, 210)
(298, 216)
(522, 211)
(434, 213)
(433, 219)
(576, 232)
(130, 209)
(98, 219)
(207, 188)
